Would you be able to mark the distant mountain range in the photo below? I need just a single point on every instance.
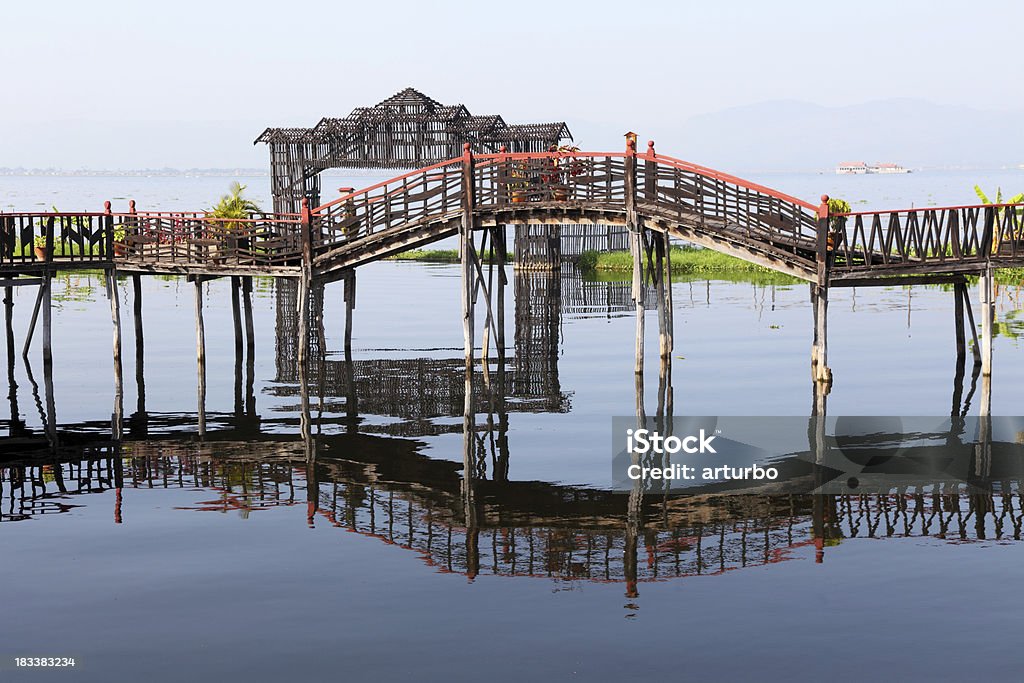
(791, 136)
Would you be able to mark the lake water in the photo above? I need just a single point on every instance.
(228, 555)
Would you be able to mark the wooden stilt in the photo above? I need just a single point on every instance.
(958, 321)
(819, 349)
(33, 321)
(236, 317)
(466, 253)
(976, 348)
(304, 285)
(661, 287)
(12, 385)
(987, 312)
(140, 345)
(501, 247)
(669, 311)
(115, 317)
(47, 318)
(350, 304)
(638, 296)
(250, 344)
(200, 356)
(236, 313)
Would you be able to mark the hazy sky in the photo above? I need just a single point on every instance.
(598, 65)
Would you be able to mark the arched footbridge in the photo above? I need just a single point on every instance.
(644, 191)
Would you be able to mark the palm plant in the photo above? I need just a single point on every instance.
(233, 207)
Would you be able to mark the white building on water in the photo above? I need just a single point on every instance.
(861, 168)
(852, 167)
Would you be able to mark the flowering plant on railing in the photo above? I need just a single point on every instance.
(560, 168)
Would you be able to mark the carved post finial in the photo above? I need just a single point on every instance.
(131, 206)
(106, 206)
(631, 142)
(466, 149)
(650, 148)
(823, 209)
(503, 149)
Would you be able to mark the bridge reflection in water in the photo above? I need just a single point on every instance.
(470, 517)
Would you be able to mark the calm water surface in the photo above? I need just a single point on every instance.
(228, 555)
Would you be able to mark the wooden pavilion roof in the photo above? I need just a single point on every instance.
(371, 136)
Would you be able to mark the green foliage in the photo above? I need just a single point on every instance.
(234, 205)
(439, 256)
(1015, 199)
(686, 262)
(837, 206)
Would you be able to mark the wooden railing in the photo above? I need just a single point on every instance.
(666, 187)
(31, 238)
(68, 239)
(928, 239)
(512, 186)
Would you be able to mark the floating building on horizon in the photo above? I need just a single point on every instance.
(861, 168)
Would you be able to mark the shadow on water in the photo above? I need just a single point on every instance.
(341, 469)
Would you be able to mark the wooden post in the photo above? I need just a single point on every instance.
(958, 321)
(236, 316)
(305, 281)
(47, 284)
(200, 355)
(670, 312)
(350, 304)
(500, 245)
(976, 348)
(819, 299)
(662, 288)
(12, 386)
(115, 317)
(35, 318)
(140, 344)
(466, 253)
(250, 346)
(303, 315)
(636, 246)
(987, 318)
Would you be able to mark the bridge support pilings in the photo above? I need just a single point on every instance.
(33, 321)
(350, 305)
(200, 355)
(820, 370)
(466, 258)
(115, 318)
(12, 386)
(663, 273)
(985, 283)
(499, 260)
(958, 322)
(140, 346)
(250, 347)
(47, 303)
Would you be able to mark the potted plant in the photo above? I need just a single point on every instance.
(565, 166)
(39, 248)
(837, 221)
(517, 188)
(120, 247)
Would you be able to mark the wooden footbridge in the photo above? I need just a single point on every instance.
(475, 196)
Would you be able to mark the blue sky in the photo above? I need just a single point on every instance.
(641, 65)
